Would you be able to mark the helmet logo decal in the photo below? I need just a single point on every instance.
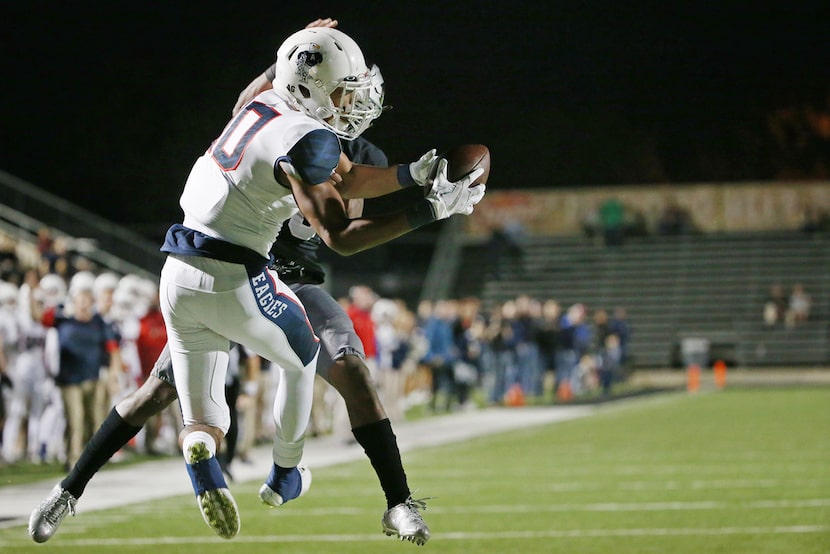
(308, 59)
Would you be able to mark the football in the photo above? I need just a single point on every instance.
(463, 159)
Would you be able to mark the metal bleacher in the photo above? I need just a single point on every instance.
(709, 286)
(25, 208)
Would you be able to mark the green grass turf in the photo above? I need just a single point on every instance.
(732, 472)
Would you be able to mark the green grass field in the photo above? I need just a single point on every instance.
(733, 472)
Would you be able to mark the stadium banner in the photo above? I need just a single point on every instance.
(711, 207)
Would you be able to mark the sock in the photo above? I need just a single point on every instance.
(285, 481)
(199, 436)
(112, 435)
(381, 446)
(205, 475)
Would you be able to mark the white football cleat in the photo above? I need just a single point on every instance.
(47, 517)
(405, 521)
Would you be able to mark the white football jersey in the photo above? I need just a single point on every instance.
(9, 333)
(232, 193)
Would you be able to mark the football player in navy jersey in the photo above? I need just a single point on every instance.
(217, 237)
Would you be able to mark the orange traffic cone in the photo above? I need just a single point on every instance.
(719, 370)
(564, 392)
(693, 378)
(515, 396)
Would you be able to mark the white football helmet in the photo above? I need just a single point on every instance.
(83, 280)
(324, 71)
(54, 289)
(8, 295)
(105, 282)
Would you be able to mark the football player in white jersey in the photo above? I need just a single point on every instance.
(32, 386)
(9, 348)
(272, 144)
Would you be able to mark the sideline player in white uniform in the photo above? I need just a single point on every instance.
(11, 412)
(50, 292)
(32, 386)
(323, 208)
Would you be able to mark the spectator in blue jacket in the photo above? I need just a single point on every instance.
(87, 344)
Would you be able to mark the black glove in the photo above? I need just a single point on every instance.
(5, 381)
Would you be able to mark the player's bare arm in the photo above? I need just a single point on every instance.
(260, 84)
(366, 181)
(326, 211)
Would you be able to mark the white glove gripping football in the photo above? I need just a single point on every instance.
(421, 169)
(448, 198)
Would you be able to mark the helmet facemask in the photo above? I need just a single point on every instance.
(351, 108)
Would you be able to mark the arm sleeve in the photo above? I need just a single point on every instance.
(361, 151)
(394, 202)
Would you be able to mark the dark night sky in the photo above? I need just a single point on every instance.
(109, 106)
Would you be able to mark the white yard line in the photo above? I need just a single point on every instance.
(460, 536)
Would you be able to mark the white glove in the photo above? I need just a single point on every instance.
(421, 169)
(448, 198)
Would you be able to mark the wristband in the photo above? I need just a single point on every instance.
(420, 213)
(405, 178)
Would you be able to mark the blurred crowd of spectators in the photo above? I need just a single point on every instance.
(786, 308)
(74, 340)
(612, 221)
(453, 354)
